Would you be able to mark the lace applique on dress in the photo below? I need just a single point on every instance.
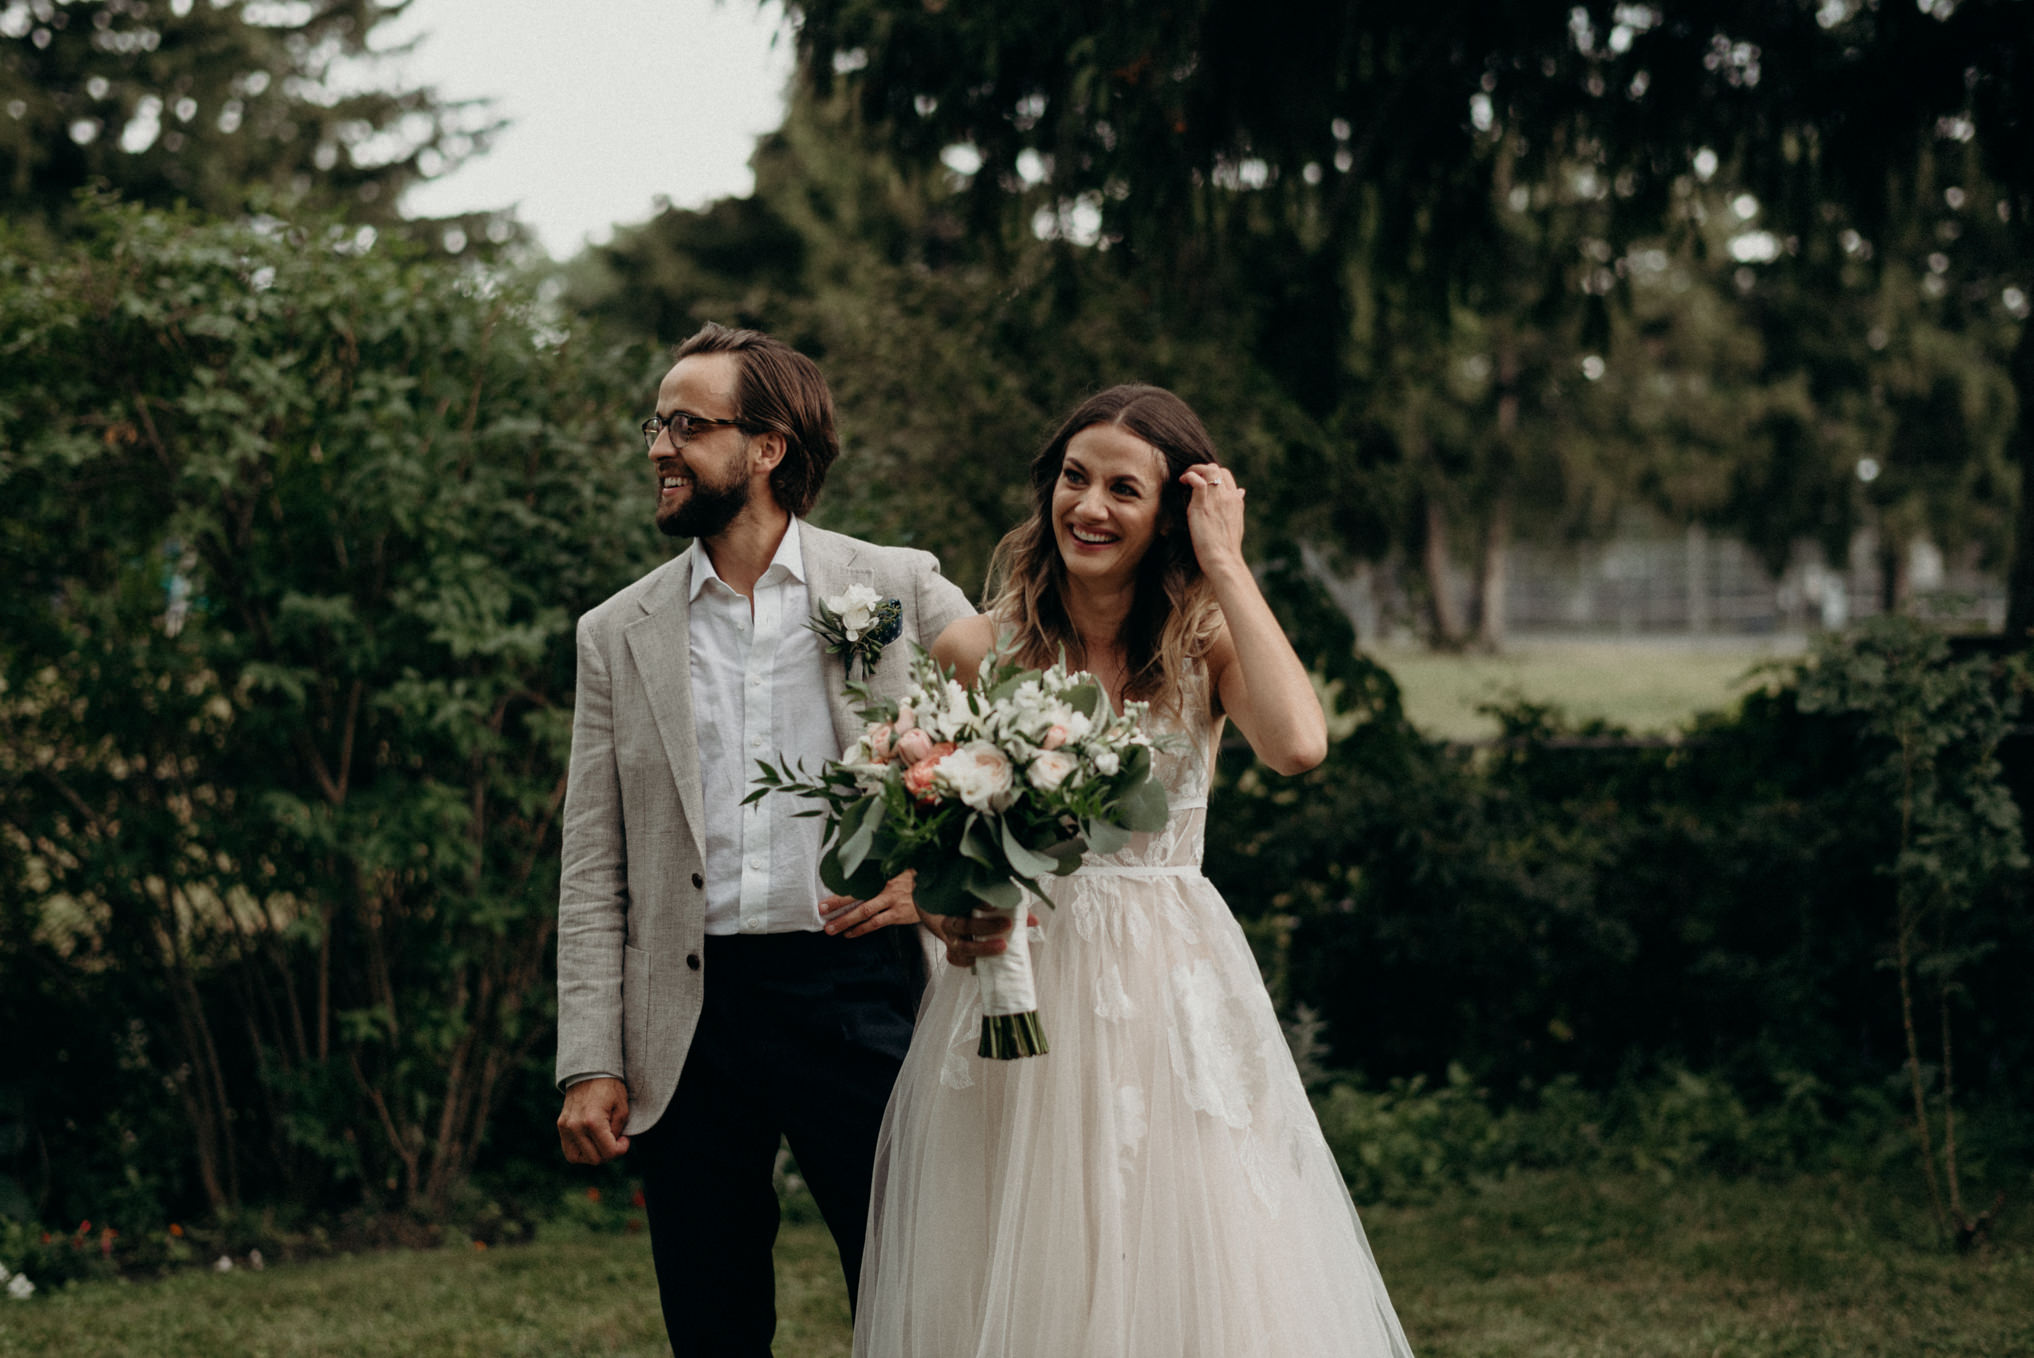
(1212, 1053)
(1131, 1128)
(1112, 999)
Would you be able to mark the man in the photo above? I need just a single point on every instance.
(709, 1001)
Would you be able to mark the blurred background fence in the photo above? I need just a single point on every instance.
(1692, 584)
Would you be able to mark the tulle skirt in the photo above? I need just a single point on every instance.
(1155, 1187)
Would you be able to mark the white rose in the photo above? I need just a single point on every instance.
(980, 775)
(1106, 763)
(856, 607)
(854, 596)
(19, 1288)
(1051, 768)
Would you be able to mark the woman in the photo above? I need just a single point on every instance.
(1156, 1185)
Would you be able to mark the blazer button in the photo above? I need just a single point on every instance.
(698, 880)
(692, 960)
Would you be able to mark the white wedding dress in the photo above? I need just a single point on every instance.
(1156, 1185)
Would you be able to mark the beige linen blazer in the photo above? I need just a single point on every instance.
(631, 897)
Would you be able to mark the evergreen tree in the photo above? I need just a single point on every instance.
(225, 105)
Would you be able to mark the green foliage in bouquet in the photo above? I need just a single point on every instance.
(1012, 780)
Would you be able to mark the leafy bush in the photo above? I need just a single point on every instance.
(297, 529)
(1569, 903)
(1412, 1139)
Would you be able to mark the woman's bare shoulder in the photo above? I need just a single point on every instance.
(963, 644)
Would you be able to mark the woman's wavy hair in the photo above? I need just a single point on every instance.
(1173, 616)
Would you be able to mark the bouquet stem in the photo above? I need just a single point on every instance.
(1009, 1036)
(1010, 1027)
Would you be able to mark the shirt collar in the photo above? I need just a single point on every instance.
(790, 557)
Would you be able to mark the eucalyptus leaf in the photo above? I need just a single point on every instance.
(1025, 862)
(1089, 700)
(943, 885)
(861, 884)
(1066, 855)
(1143, 808)
(1000, 892)
(855, 847)
(1104, 838)
(975, 842)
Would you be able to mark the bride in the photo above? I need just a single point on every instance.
(1157, 1185)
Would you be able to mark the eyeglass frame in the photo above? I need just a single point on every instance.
(685, 427)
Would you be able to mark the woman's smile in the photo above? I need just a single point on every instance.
(1105, 503)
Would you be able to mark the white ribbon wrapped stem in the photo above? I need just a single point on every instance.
(1009, 994)
(1007, 987)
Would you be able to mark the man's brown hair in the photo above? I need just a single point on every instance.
(781, 390)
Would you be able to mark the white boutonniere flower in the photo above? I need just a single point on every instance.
(858, 623)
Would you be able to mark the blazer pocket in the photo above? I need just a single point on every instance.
(635, 1016)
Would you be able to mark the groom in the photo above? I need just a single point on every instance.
(709, 1000)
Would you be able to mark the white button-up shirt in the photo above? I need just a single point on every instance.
(758, 692)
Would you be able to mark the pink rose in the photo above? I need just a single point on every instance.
(1054, 738)
(906, 719)
(913, 746)
(878, 741)
(918, 778)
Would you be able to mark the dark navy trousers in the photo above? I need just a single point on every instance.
(800, 1037)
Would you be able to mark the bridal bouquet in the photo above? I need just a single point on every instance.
(984, 790)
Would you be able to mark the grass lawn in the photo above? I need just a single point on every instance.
(1645, 684)
(1555, 1265)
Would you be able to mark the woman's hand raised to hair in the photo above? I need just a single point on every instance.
(1214, 517)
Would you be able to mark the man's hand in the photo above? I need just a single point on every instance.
(892, 905)
(590, 1128)
(967, 938)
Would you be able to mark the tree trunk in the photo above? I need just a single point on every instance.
(1448, 631)
(1491, 577)
(1892, 574)
(2020, 585)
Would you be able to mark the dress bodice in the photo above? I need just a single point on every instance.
(1180, 757)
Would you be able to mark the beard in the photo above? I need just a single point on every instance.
(706, 511)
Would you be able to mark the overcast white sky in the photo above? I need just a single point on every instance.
(611, 103)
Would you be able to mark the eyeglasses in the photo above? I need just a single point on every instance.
(684, 428)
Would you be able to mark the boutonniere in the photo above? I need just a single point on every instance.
(858, 623)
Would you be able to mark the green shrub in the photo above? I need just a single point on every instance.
(297, 528)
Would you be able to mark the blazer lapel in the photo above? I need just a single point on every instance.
(830, 568)
(661, 643)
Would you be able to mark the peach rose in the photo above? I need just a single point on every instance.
(918, 778)
(1051, 768)
(913, 746)
(878, 741)
(1054, 738)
